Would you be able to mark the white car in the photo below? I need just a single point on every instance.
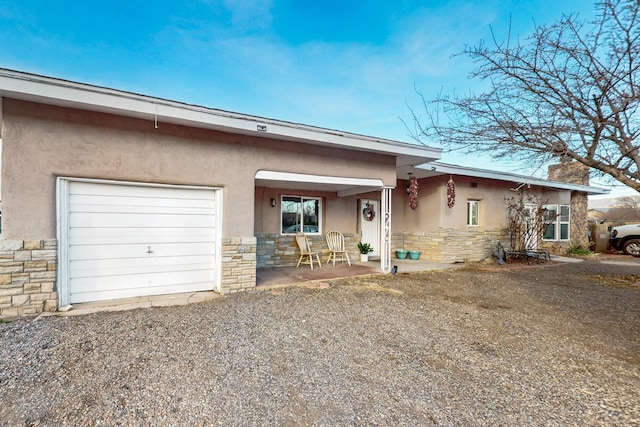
(626, 238)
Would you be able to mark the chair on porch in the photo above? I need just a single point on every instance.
(306, 254)
(335, 242)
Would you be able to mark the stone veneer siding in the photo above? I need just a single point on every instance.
(238, 264)
(277, 250)
(449, 245)
(27, 277)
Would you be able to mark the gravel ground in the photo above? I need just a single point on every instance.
(552, 346)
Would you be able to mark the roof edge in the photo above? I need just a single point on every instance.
(66, 93)
(444, 168)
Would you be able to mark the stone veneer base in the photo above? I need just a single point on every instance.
(238, 264)
(27, 277)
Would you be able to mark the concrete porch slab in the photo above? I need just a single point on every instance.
(280, 276)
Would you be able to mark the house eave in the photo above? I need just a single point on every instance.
(437, 168)
(158, 111)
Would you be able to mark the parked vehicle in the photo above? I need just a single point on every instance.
(626, 238)
(296, 228)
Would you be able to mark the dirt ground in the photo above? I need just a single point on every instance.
(555, 344)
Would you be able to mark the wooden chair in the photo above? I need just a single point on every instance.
(335, 242)
(305, 251)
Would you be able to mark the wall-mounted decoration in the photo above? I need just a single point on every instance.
(413, 192)
(451, 192)
(368, 212)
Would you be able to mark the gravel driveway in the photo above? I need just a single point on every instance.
(551, 346)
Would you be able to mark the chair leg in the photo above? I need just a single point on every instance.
(299, 261)
(318, 258)
(348, 260)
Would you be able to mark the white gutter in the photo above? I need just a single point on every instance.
(47, 90)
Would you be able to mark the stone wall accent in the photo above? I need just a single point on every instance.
(277, 250)
(579, 227)
(238, 264)
(574, 173)
(450, 245)
(27, 277)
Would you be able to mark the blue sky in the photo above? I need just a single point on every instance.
(347, 65)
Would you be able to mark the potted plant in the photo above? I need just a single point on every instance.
(401, 254)
(364, 249)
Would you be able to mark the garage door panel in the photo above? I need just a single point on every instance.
(135, 240)
(141, 191)
(138, 220)
(98, 252)
(107, 294)
(144, 210)
(113, 267)
(138, 236)
(81, 202)
(148, 280)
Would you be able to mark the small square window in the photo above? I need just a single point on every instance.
(473, 211)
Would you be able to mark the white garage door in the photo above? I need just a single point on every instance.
(131, 240)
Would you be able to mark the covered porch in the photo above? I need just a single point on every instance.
(315, 204)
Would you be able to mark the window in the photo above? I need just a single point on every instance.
(556, 220)
(300, 214)
(473, 207)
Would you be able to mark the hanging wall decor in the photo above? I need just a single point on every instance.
(368, 213)
(413, 192)
(451, 192)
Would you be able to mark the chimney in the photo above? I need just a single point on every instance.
(569, 171)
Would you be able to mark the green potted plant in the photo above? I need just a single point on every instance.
(365, 249)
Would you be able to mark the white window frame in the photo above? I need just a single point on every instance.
(301, 216)
(562, 218)
(470, 216)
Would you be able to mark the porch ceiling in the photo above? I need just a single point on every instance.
(343, 186)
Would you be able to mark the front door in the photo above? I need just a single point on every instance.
(370, 224)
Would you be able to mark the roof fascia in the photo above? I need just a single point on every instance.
(442, 168)
(46, 90)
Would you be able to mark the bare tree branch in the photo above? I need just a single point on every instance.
(570, 90)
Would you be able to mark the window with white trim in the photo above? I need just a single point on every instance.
(473, 212)
(556, 219)
(300, 214)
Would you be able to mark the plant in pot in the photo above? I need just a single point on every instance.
(364, 249)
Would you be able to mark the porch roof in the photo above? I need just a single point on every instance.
(437, 168)
(342, 186)
(64, 93)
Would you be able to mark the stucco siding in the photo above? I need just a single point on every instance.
(42, 142)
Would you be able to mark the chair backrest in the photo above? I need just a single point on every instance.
(335, 241)
(303, 243)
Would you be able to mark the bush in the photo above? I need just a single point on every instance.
(578, 249)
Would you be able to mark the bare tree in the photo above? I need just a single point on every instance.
(625, 209)
(628, 202)
(526, 220)
(623, 214)
(570, 90)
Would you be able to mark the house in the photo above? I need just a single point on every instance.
(109, 194)
(469, 230)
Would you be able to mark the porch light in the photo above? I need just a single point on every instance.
(273, 202)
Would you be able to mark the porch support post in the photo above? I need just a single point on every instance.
(385, 226)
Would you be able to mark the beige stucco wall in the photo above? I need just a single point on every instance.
(433, 213)
(42, 142)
